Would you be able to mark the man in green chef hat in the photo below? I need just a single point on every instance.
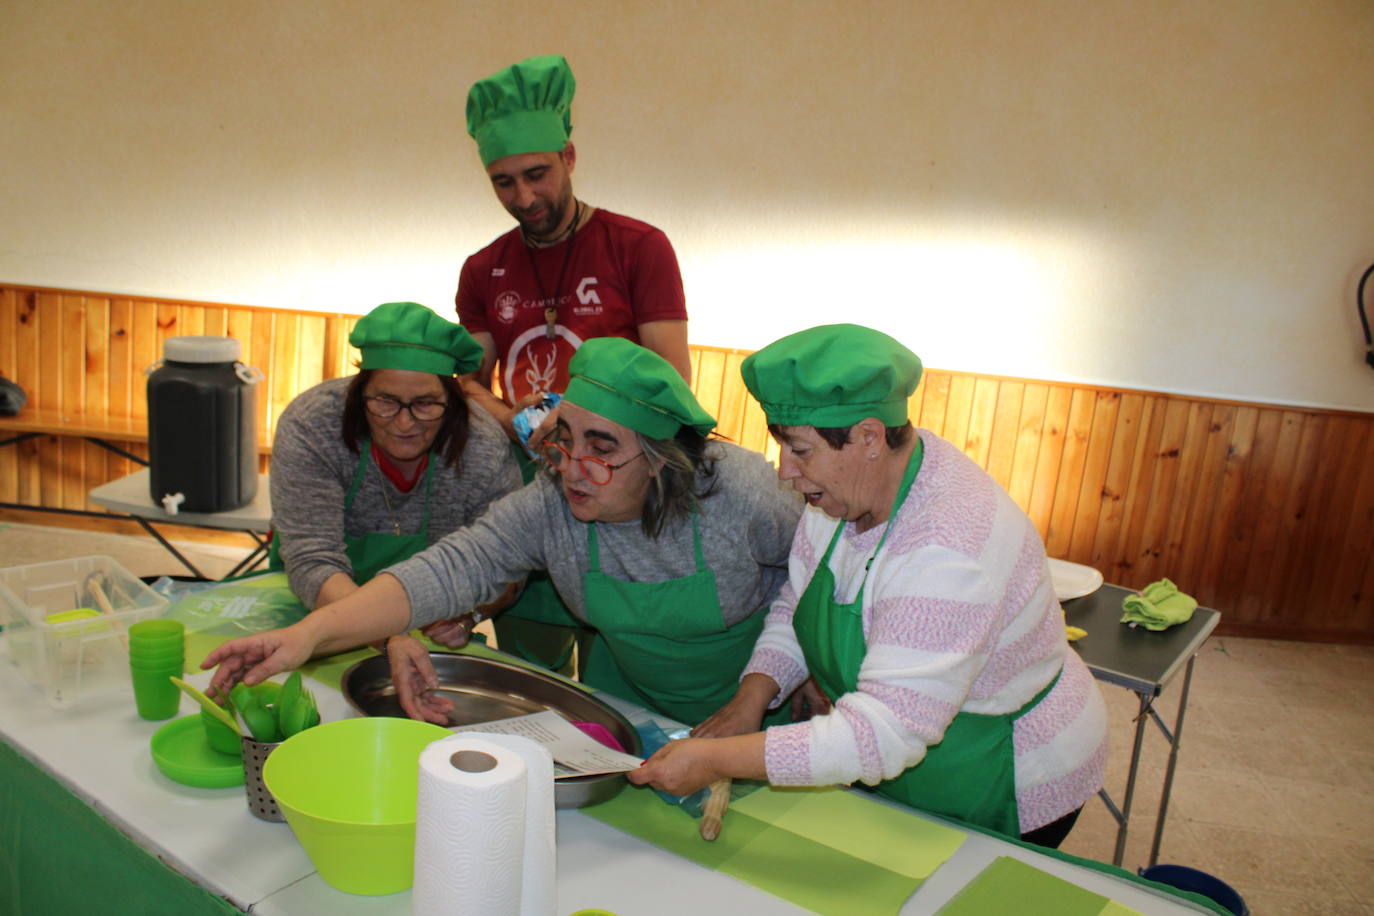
(569, 272)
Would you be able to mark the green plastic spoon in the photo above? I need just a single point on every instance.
(208, 705)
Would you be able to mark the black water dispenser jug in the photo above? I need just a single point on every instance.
(202, 426)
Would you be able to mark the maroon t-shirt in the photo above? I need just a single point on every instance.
(621, 273)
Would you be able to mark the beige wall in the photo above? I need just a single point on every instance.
(1175, 196)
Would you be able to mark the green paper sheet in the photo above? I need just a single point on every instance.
(1010, 887)
(827, 850)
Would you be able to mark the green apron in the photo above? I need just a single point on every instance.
(665, 645)
(369, 554)
(970, 774)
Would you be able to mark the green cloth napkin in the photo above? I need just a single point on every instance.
(1010, 887)
(828, 850)
(1159, 605)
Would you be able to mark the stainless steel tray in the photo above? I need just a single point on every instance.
(483, 690)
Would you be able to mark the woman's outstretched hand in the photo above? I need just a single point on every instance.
(416, 682)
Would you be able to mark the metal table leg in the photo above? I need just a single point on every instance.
(1175, 740)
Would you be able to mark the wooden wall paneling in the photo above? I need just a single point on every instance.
(1049, 456)
(1092, 483)
(263, 351)
(1102, 554)
(1030, 426)
(121, 380)
(1004, 427)
(1202, 513)
(1253, 480)
(1216, 552)
(120, 355)
(286, 366)
(1352, 529)
(1187, 503)
(1164, 481)
(1331, 511)
(1266, 513)
(1255, 595)
(1072, 458)
(1119, 566)
(214, 321)
(310, 365)
(708, 378)
(958, 408)
(1295, 517)
(9, 320)
(70, 469)
(732, 399)
(29, 374)
(191, 320)
(935, 401)
(977, 442)
(146, 352)
(100, 464)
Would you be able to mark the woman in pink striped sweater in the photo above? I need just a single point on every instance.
(920, 602)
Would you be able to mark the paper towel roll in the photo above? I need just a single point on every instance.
(484, 828)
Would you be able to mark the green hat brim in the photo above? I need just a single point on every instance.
(521, 132)
(643, 418)
(834, 416)
(412, 357)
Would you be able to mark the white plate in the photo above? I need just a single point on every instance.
(1073, 580)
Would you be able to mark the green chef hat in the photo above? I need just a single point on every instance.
(635, 387)
(407, 335)
(522, 109)
(834, 375)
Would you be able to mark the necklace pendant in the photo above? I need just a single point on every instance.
(396, 528)
(550, 321)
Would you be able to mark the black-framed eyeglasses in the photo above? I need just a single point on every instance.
(384, 407)
(594, 469)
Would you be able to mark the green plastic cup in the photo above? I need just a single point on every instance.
(155, 696)
(348, 791)
(148, 632)
(156, 656)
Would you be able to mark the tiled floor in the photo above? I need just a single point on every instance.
(1274, 791)
(1275, 785)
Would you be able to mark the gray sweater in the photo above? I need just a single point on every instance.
(746, 534)
(312, 470)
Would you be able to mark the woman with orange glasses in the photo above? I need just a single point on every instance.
(670, 545)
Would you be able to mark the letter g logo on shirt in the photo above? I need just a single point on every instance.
(585, 294)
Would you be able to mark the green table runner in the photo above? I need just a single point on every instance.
(828, 850)
(1010, 887)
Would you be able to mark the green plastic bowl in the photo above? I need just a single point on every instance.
(348, 791)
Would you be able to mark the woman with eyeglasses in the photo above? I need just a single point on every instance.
(371, 469)
(669, 545)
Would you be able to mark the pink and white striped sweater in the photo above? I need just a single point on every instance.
(959, 615)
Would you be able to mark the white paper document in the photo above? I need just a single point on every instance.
(574, 752)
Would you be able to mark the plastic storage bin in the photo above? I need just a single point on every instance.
(56, 628)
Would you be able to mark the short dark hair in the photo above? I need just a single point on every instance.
(837, 437)
(451, 439)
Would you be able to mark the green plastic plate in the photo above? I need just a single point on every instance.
(183, 754)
